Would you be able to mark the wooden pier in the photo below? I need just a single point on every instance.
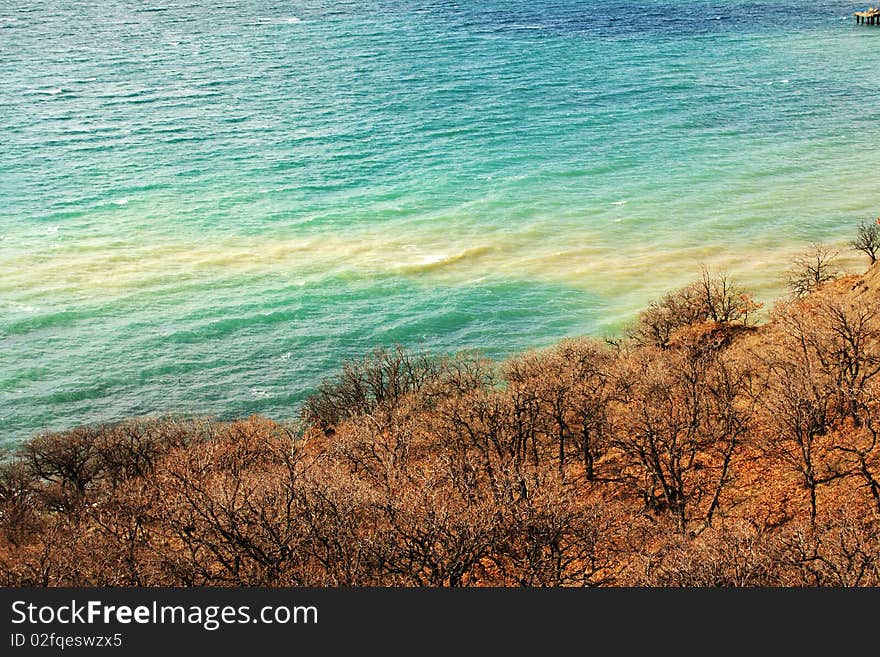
(869, 17)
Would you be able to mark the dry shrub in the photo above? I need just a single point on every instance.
(383, 378)
(710, 299)
(733, 555)
(842, 549)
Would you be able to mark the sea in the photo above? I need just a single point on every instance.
(207, 207)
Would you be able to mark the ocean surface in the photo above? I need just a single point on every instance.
(205, 207)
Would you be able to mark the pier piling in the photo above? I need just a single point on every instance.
(869, 17)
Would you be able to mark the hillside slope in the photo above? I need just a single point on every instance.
(701, 451)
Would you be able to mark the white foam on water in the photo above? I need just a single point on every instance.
(289, 20)
(433, 258)
(121, 201)
(618, 202)
(52, 230)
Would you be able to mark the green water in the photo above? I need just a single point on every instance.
(205, 208)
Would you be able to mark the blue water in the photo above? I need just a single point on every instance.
(205, 208)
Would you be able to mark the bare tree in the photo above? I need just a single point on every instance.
(861, 446)
(811, 269)
(569, 385)
(868, 239)
(19, 519)
(714, 298)
(847, 345)
(800, 401)
(679, 428)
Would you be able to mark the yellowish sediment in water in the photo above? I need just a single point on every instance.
(586, 261)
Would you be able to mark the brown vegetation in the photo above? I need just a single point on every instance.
(703, 451)
(812, 269)
(867, 239)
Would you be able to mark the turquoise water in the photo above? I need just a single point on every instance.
(204, 208)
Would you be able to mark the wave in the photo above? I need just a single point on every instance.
(52, 320)
(436, 261)
(219, 328)
(290, 20)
